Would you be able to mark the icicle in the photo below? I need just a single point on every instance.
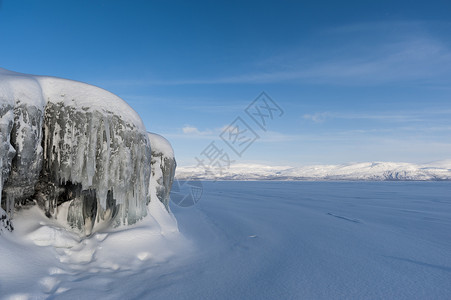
(104, 154)
(10, 206)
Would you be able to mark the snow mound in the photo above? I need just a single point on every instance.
(160, 145)
(41, 259)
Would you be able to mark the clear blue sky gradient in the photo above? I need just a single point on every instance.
(358, 80)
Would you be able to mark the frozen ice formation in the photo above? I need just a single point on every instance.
(163, 167)
(80, 152)
(21, 110)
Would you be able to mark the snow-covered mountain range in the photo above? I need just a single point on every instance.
(377, 171)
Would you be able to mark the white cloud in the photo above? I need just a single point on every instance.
(316, 117)
(191, 130)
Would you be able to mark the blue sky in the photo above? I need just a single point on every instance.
(357, 80)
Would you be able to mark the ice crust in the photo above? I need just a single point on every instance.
(66, 141)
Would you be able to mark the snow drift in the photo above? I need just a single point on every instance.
(67, 142)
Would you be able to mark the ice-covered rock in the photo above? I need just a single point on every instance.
(68, 142)
(21, 128)
(6, 149)
(163, 166)
(96, 146)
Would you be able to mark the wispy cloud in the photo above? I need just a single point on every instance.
(278, 137)
(317, 117)
(400, 117)
(399, 57)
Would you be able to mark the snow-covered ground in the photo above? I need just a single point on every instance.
(250, 240)
(439, 170)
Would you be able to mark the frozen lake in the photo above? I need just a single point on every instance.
(292, 240)
(250, 240)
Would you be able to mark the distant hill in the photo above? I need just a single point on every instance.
(369, 171)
